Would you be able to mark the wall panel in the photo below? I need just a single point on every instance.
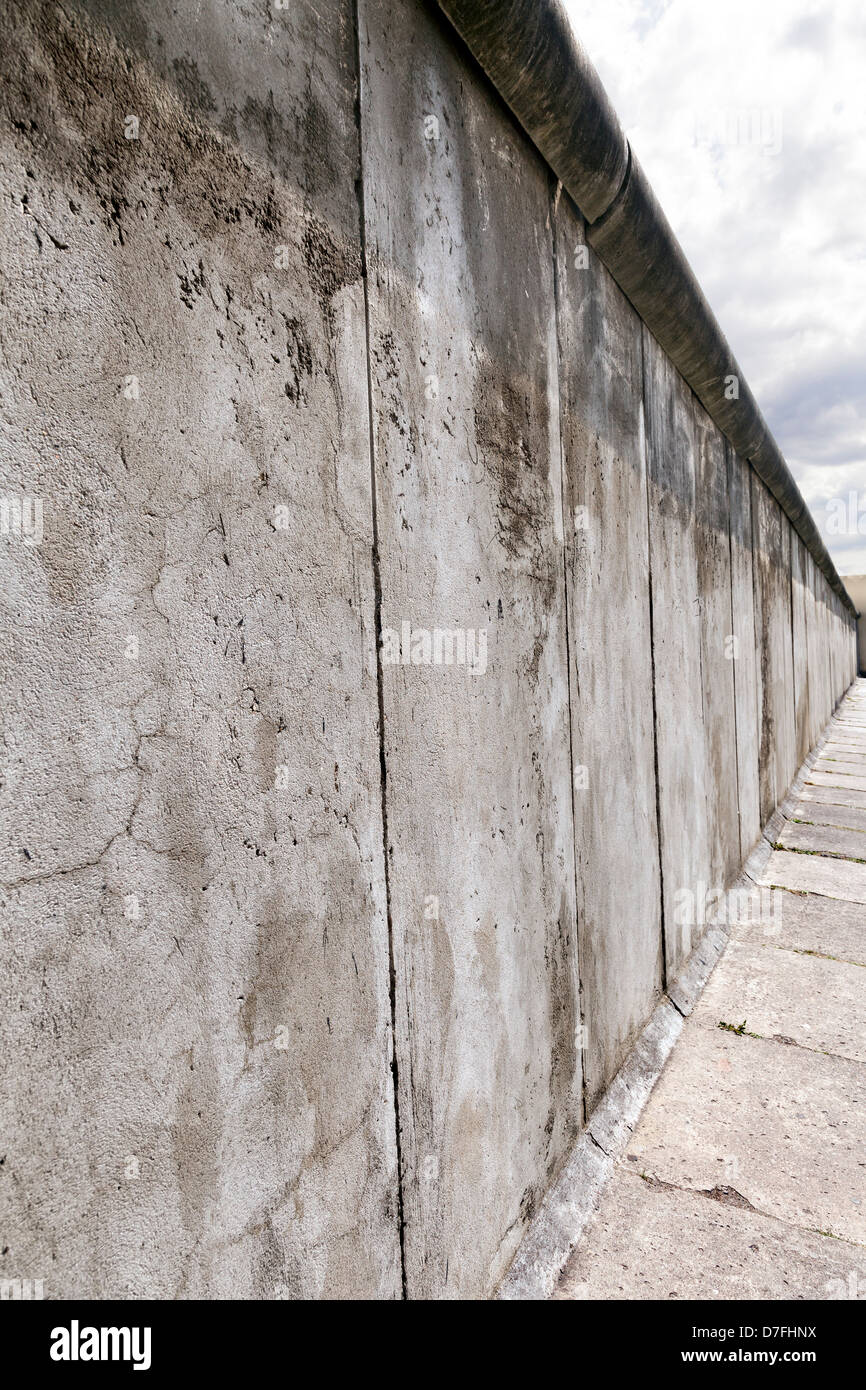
(746, 665)
(680, 736)
(611, 657)
(717, 651)
(478, 780)
(195, 931)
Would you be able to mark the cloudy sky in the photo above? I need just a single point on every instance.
(750, 120)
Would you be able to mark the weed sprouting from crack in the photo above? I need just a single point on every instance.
(738, 1029)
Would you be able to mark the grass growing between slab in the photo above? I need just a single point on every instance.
(819, 853)
(821, 955)
(825, 825)
(738, 1029)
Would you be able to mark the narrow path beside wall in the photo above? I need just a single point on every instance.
(744, 1176)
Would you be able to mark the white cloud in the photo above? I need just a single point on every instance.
(750, 121)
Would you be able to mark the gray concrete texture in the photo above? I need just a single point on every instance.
(319, 961)
(741, 1176)
(196, 930)
(681, 740)
(610, 645)
(529, 50)
(856, 586)
(636, 1249)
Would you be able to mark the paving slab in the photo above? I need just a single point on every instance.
(782, 1126)
(816, 1003)
(843, 767)
(814, 813)
(812, 924)
(649, 1241)
(824, 839)
(833, 795)
(810, 873)
(821, 777)
(849, 749)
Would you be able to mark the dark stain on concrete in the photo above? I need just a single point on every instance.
(331, 264)
(299, 355)
(511, 424)
(191, 86)
(195, 1139)
(564, 1012)
(271, 1278)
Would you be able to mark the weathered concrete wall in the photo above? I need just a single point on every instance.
(195, 932)
(845, 647)
(746, 663)
(319, 951)
(772, 551)
(681, 737)
(610, 644)
(718, 653)
(801, 591)
(817, 667)
(478, 782)
(856, 586)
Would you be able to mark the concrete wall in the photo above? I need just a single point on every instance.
(856, 586)
(195, 926)
(320, 960)
(610, 649)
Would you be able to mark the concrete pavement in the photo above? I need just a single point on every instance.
(745, 1176)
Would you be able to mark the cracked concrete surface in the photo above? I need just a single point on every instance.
(195, 941)
(746, 1174)
(320, 966)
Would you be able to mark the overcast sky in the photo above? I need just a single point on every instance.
(750, 121)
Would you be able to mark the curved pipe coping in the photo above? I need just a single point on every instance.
(530, 53)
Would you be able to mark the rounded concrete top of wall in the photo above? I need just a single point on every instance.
(533, 58)
(530, 52)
